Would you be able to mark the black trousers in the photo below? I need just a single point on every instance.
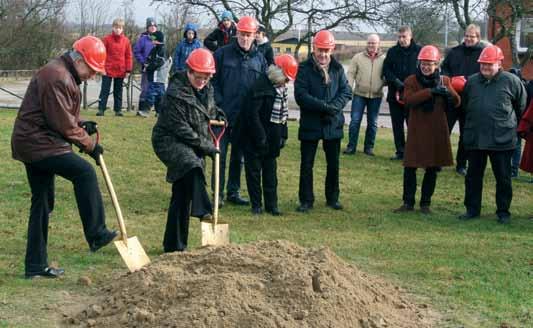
(399, 115)
(264, 168)
(117, 93)
(428, 185)
(189, 197)
(501, 167)
(41, 177)
(236, 162)
(453, 116)
(307, 161)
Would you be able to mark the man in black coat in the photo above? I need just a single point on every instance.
(399, 64)
(462, 61)
(224, 34)
(263, 45)
(321, 90)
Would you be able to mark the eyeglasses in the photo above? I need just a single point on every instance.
(199, 77)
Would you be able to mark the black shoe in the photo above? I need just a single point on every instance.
(468, 216)
(257, 210)
(514, 173)
(100, 113)
(119, 113)
(369, 152)
(404, 209)
(103, 240)
(504, 219)
(425, 210)
(274, 211)
(461, 171)
(304, 208)
(397, 157)
(349, 151)
(238, 200)
(206, 217)
(46, 273)
(335, 205)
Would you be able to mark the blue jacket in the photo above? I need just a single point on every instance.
(313, 96)
(236, 73)
(182, 52)
(142, 48)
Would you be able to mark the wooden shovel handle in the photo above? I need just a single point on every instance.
(114, 199)
(217, 123)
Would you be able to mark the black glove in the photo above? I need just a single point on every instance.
(330, 109)
(90, 126)
(209, 150)
(282, 143)
(95, 154)
(440, 91)
(398, 84)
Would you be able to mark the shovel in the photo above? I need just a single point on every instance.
(130, 249)
(215, 233)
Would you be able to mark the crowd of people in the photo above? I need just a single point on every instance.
(237, 79)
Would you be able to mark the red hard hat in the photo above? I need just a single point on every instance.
(201, 60)
(93, 52)
(490, 55)
(324, 40)
(458, 83)
(247, 24)
(288, 65)
(429, 53)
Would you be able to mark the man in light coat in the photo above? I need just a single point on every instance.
(365, 78)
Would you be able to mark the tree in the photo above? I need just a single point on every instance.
(92, 15)
(32, 32)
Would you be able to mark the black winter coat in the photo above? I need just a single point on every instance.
(399, 64)
(267, 51)
(257, 135)
(312, 94)
(180, 137)
(462, 60)
(215, 39)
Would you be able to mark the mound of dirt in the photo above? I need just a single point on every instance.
(265, 284)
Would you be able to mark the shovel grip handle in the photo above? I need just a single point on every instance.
(217, 137)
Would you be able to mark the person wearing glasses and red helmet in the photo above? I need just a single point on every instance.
(181, 140)
(428, 96)
(262, 131)
(321, 90)
(46, 126)
(493, 101)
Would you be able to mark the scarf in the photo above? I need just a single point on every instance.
(280, 108)
(322, 69)
(430, 81)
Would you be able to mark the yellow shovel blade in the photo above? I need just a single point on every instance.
(214, 235)
(132, 253)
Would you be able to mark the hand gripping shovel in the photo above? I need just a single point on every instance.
(215, 233)
(130, 249)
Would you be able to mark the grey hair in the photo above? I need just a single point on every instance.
(275, 75)
(74, 55)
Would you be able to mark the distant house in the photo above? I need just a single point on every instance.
(346, 42)
(523, 39)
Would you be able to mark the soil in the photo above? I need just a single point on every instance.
(265, 284)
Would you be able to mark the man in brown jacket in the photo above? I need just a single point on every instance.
(46, 126)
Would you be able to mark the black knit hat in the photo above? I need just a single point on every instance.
(150, 21)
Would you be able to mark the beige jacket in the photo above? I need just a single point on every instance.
(364, 75)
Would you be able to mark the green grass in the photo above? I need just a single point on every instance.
(478, 274)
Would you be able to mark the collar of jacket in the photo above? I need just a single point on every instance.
(475, 47)
(245, 54)
(70, 67)
(376, 54)
(179, 87)
(411, 47)
(496, 77)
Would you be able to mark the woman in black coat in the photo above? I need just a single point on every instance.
(262, 131)
(181, 140)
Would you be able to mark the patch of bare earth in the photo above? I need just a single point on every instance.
(265, 284)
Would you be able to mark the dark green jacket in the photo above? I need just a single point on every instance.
(180, 137)
(493, 108)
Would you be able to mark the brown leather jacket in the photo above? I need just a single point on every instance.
(47, 121)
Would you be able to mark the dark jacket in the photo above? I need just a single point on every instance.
(462, 60)
(267, 51)
(257, 135)
(313, 96)
(399, 64)
(493, 108)
(220, 37)
(428, 137)
(180, 137)
(47, 121)
(236, 73)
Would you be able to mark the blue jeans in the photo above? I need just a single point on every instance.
(517, 154)
(154, 95)
(372, 111)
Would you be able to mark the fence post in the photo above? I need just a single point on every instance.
(84, 96)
